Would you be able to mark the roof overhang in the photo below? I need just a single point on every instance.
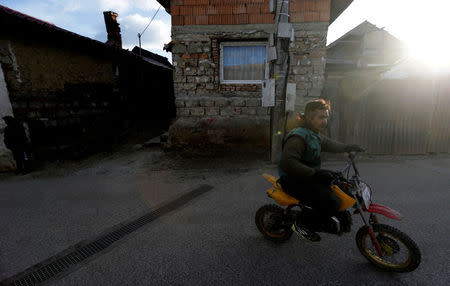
(32, 28)
(337, 7)
(165, 4)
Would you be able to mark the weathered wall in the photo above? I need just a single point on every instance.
(307, 61)
(45, 66)
(307, 66)
(6, 161)
(219, 112)
(38, 73)
(57, 90)
(76, 94)
(209, 112)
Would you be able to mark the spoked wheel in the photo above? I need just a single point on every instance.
(400, 253)
(270, 222)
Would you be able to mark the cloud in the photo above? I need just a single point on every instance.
(123, 6)
(85, 17)
(64, 7)
(146, 5)
(119, 6)
(72, 6)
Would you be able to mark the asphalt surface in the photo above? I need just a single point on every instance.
(212, 240)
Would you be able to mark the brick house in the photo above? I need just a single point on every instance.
(365, 46)
(364, 51)
(73, 90)
(221, 61)
(383, 99)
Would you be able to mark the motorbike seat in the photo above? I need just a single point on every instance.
(278, 194)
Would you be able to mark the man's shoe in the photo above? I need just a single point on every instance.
(305, 233)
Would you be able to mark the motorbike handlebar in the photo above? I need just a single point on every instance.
(352, 156)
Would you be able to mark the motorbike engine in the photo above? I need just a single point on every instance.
(339, 223)
(346, 221)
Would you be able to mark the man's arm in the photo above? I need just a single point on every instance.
(291, 157)
(329, 145)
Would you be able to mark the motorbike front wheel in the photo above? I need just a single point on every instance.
(400, 253)
(270, 221)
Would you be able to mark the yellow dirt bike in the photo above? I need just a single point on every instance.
(384, 246)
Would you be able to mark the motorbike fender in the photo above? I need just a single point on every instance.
(384, 210)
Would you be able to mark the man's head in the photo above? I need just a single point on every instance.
(316, 114)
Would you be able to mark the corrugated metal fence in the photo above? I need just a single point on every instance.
(398, 117)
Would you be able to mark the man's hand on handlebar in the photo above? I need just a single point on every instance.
(354, 148)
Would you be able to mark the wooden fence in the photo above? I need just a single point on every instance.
(397, 117)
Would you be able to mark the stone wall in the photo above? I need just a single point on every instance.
(37, 66)
(6, 160)
(211, 113)
(38, 74)
(307, 61)
(59, 91)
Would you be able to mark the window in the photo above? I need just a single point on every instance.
(243, 62)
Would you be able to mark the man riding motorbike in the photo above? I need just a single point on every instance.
(300, 172)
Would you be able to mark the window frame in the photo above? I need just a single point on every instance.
(240, 44)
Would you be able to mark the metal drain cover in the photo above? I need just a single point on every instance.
(59, 264)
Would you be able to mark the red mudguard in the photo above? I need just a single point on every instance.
(384, 210)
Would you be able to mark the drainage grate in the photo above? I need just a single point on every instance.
(67, 259)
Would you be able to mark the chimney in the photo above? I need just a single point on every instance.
(113, 29)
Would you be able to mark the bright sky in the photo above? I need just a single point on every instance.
(420, 24)
(85, 17)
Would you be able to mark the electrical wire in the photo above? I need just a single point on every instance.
(150, 21)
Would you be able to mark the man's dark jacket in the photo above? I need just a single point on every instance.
(293, 154)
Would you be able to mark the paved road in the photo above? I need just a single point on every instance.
(213, 240)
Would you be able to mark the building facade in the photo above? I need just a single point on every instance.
(73, 91)
(354, 63)
(221, 58)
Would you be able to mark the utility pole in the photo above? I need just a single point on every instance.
(282, 37)
(140, 48)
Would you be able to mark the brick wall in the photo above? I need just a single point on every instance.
(72, 95)
(307, 61)
(41, 72)
(220, 112)
(310, 10)
(239, 12)
(218, 12)
(42, 66)
(197, 31)
(197, 86)
(59, 92)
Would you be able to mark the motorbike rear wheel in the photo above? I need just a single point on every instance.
(401, 253)
(270, 222)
